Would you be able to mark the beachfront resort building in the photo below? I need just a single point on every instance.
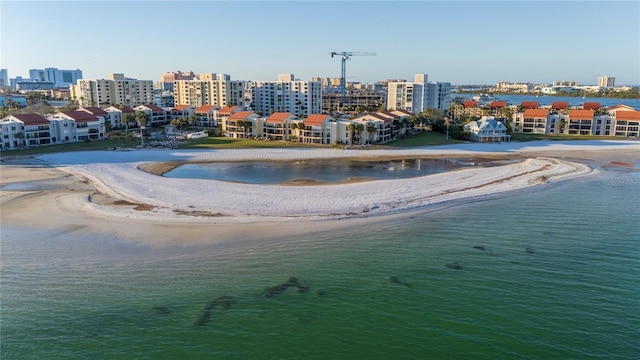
(627, 123)
(287, 94)
(115, 113)
(211, 89)
(20, 130)
(487, 129)
(242, 125)
(315, 129)
(155, 114)
(87, 126)
(117, 90)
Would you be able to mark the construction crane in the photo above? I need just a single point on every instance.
(346, 55)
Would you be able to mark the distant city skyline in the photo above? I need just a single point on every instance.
(462, 42)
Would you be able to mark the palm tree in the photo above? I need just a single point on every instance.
(447, 122)
(141, 118)
(351, 127)
(371, 130)
(126, 119)
(359, 129)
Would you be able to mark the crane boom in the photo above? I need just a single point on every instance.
(346, 55)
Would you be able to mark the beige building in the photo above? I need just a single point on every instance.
(117, 90)
(210, 89)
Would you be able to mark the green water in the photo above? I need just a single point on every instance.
(558, 278)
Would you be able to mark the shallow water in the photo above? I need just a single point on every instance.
(333, 170)
(549, 273)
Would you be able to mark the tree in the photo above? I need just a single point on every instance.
(126, 119)
(193, 120)
(371, 130)
(506, 113)
(351, 127)
(141, 118)
(447, 123)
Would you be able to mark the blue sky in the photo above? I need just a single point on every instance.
(463, 42)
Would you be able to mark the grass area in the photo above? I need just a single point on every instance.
(423, 139)
(229, 143)
(74, 146)
(533, 137)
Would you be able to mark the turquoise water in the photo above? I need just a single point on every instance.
(554, 275)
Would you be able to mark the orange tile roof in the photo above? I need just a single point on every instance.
(591, 105)
(31, 119)
(535, 113)
(227, 110)
(469, 103)
(497, 104)
(278, 117)
(559, 105)
(240, 115)
(315, 119)
(529, 104)
(205, 108)
(628, 115)
(581, 114)
(181, 107)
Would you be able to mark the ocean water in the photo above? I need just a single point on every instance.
(549, 99)
(549, 273)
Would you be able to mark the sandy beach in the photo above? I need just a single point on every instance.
(107, 192)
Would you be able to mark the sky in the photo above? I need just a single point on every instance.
(462, 42)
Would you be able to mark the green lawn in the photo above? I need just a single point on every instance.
(533, 137)
(423, 139)
(229, 143)
(75, 146)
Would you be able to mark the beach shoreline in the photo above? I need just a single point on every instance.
(74, 193)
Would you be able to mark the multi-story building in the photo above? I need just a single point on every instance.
(4, 77)
(210, 89)
(287, 94)
(607, 81)
(438, 94)
(59, 78)
(167, 79)
(114, 115)
(117, 90)
(408, 96)
(627, 123)
(24, 130)
(315, 129)
(155, 115)
(87, 125)
(517, 87)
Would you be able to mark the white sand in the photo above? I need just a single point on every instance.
(117, 175)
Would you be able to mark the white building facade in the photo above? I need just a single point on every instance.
(408, 96)
(287, 94)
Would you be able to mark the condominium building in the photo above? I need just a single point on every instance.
(4, 77)
(408, 96)
(210, 89)
(287, 94)
(167, 79)
(438, 94)
(606, 81)
(117, 90)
